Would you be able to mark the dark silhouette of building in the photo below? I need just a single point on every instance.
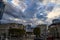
(56, 21)
(54, 29)
(2, 6)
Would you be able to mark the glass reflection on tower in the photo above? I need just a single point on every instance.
(2, 6)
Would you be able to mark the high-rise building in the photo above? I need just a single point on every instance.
(2, 6)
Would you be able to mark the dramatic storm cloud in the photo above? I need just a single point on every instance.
(31, 11)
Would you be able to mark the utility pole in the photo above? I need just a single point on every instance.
(2, 6)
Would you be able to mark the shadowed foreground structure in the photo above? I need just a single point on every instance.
(54, 30)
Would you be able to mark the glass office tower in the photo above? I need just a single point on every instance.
(2, 6)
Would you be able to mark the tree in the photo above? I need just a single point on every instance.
(16, 32)
(21, 26)
(36, 31)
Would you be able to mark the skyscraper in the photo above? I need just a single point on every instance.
(2, 6)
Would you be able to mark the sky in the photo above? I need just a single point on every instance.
(32, 12)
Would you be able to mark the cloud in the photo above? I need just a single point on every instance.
(31, 12)
(15, 2)
(31, 9)
(55, 13)
(19, 4)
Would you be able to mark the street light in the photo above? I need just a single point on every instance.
(2, 6)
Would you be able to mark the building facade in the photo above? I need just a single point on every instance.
(43, 28)
(54, 29)
(5, 27)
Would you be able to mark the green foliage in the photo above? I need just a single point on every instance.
(36, 31)
(16, 31)
(21, 26)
